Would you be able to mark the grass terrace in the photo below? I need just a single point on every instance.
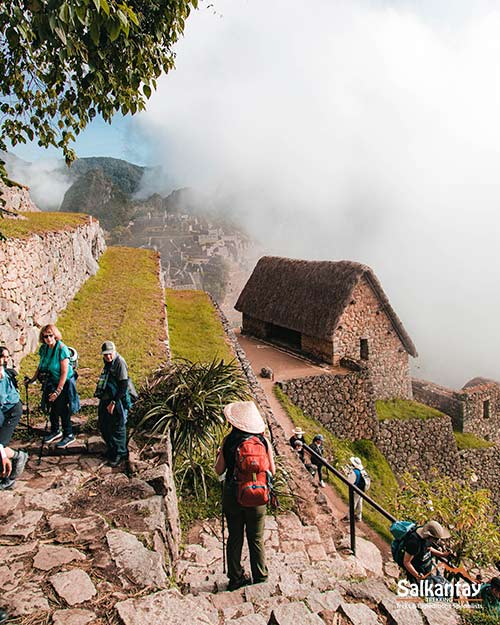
(467, 440)
(195, 331)
(383, 487)
(41, 223)
(403, 409)
(123, 302)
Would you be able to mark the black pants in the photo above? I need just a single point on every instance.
(113, 428)
(11, 419)
(59, 412)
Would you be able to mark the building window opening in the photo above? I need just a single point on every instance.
(486, 409)
(363, 349)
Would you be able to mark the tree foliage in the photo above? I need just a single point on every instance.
(62, 62)
(468, 512)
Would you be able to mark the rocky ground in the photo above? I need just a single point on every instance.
(81, 543)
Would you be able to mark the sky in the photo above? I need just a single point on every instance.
(346, 129)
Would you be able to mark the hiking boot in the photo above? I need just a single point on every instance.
(66, 441)
(322, 484)
(53, 436)
(234, 584)
(18, 465)
(6, 483)
(117, 460)
(3, 616)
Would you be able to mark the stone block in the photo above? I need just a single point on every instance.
(294, 613)
(75, 616)
(50, 556)
(73, 586)
(359, 614)
(439, 614)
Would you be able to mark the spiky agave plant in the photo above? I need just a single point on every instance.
(185, 400)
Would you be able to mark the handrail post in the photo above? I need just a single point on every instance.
(352, 520)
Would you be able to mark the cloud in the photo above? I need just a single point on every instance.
(359, 130)
(47, 179)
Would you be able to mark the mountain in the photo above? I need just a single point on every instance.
(126, 176)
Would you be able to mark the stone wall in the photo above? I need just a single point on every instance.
(485, 464)
(344, 404)
(440, 398)
(39, 276)
(423, 444)
(17, 199)
(255, 327)
(318, 348)
(364, 318)
(481, 411)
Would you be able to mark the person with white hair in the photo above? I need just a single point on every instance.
(244, 518)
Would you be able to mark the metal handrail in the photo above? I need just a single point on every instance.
(352, 489)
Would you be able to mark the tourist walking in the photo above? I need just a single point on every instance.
(297, 437)
(59, 395)
(12, 462)
(419, 549)
(317, 447)
(114, 403)
(245, 442)
(358, 475)
(490, 595)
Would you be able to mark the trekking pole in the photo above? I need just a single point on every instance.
(28, 424)
(221, 480)
(43, 441)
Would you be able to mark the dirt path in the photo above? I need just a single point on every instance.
(286, 366)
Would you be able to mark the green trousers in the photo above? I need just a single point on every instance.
(240, 521)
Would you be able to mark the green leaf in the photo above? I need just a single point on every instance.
(105, 6)
(81, 13)
(147, 91)
(61, 34)
(64, 13)
(97, 4)
(114, 30)
(94, 32)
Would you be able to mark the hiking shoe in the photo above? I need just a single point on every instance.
(53, 436)
(66, 441)
(117, 460)
(6, 483)
(322, 484)
(18, 465)
(234, 584)
(3, 616)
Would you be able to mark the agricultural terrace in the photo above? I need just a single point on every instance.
(41, 223)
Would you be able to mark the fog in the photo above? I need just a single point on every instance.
(354, 130)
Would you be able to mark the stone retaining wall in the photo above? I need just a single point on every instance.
(423, 444)
(39, 276)
(17, 199)
(485, 463)
(344, 404)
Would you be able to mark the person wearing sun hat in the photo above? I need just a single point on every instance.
(419, 551)
(297, 436)
(246, 421)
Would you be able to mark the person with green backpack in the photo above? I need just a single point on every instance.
(114, 390)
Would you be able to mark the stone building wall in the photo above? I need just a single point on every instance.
(481, 411)
(253, 326)
(423, 444)
(318, 348)
(387, 358)
(344, 404)
(440, 398)
(17, 199)
(39, 276)
(485, 464)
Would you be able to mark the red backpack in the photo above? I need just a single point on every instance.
(250, 472)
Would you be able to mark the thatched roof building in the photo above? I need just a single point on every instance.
(326, 309)
(310, 296)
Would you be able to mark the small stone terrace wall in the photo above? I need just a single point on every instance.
(440, 398)
(424, 444)
(39, 276)
(485, 463)
(17, 199)
(344, 404)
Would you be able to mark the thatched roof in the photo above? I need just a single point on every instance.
(310, 296)
(475, 382)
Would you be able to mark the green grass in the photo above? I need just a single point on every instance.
(123, 302)
(403, 409)
(467, 440)
(337, 452)
(39, 223)
(195, 331)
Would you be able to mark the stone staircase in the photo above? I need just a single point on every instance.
(82, 544)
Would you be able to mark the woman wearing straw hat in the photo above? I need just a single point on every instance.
(246, 421)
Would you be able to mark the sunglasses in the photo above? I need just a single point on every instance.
(48, 336)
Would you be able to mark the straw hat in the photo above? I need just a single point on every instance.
(433, 529)
(244, 416)
(298, 432)
(356, 463)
